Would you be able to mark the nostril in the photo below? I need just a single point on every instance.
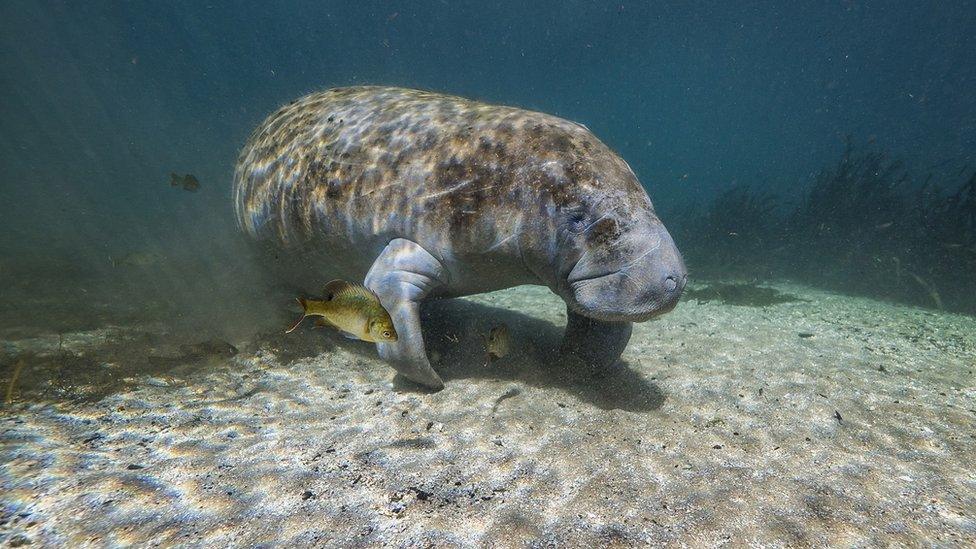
(670, 283)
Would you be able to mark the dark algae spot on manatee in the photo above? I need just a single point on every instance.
(746, 295)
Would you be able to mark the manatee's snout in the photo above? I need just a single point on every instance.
(647, 284)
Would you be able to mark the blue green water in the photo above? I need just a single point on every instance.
(101, 100)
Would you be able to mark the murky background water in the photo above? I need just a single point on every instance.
(829, 143)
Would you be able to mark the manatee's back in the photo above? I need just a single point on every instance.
(352, 168)
(354, 163)
(297, 157)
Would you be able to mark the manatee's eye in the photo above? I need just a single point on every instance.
(577, 221)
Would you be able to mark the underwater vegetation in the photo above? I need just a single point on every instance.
(867, 225)
(737, 229)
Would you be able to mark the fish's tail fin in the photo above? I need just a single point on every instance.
(174, 179)
(304, 304)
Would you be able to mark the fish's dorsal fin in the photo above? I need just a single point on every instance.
(338, 287)
(334, 288)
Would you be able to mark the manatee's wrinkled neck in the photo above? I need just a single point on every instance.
(548, 252)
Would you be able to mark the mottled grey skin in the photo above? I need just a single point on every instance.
(430, 196)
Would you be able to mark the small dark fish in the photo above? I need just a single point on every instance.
(189, 182)
(838, 417)
(511, 393)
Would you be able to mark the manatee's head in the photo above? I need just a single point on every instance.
(597, 241)
(618, 262)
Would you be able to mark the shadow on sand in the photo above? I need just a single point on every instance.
(453, 332)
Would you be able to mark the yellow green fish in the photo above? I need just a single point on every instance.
(497, 342)
(352, 309)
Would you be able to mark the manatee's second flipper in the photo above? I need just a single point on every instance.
(402, 276)
(597, 343)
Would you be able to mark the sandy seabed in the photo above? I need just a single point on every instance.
(822, 420)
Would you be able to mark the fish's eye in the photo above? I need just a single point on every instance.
(386, 333)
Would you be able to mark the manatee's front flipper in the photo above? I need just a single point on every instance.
(402, 276)
(597, 343)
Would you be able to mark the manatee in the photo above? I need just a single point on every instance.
(422, 196)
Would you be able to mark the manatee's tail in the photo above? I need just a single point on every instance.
(304, 304)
